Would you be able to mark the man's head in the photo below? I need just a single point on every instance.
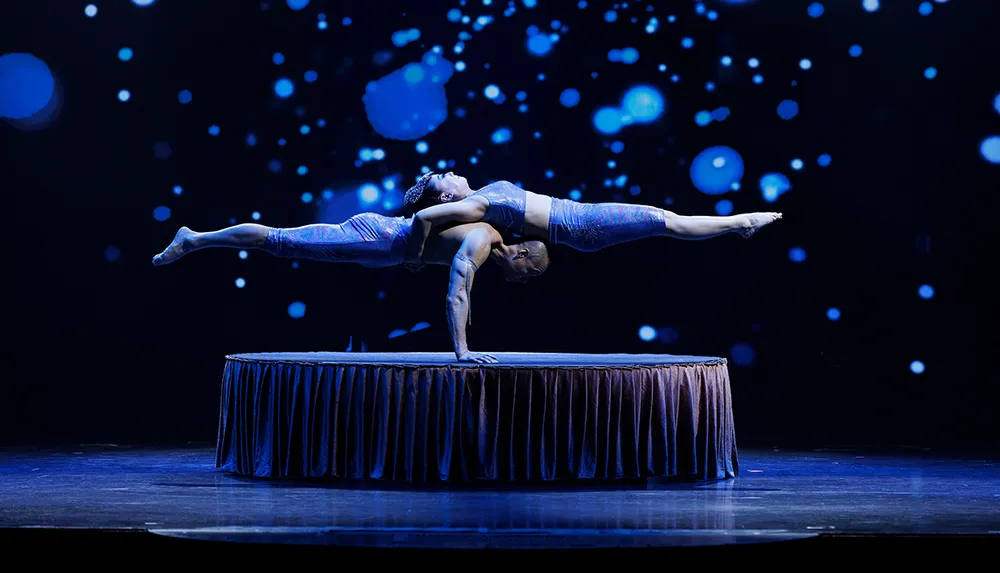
(436, 188)
(523, 261)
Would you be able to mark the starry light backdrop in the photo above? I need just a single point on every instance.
(873, 126)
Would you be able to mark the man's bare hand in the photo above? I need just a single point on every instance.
(478, 357)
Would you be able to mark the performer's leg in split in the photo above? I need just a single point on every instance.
(245, 236)
(701, 227)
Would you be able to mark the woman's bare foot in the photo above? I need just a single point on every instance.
(180, 246)
(754, 221)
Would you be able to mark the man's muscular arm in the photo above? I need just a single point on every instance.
(474, 251)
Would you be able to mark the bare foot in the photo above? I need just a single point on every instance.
(180, 246)
(754, 221)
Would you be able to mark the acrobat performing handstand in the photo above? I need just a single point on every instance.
(446, 199)
(374, 240)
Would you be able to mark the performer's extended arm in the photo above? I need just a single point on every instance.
(474, 251)
(464, 211)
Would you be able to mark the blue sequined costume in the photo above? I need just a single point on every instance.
(507, 205)
(591, 227)
(368, 239)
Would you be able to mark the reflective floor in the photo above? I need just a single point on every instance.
(778, 496)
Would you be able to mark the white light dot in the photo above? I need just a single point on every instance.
(244, 255)
(240, 283)
(917, 367)
(90, 10)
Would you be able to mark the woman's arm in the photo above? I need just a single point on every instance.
(468, 210)
(474, 251)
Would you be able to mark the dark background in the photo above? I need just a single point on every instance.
(98, 351)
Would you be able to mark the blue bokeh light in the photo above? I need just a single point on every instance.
(753, 62)
(125, 54)
(297, 309)
(454, 15)
(724, 208)
(410, 102)
(539, 44)
(805, 63)
(608, 120)
(501, 135)
(297, 4)
(815, 10)
(112, 253)
(870, 5)
(255, 215)
(742, 354)
(758, 79)
(926, 292)
(788, 109)
(824, 160)
(310, 76)
(90, 10)
(302, 170)
(575, 194)
(797, 254)
(833, 313)
(124, 95)
(184, 96)
(178, 189)
(797, 164)
(421, 147)
(284, 88)
(703, 118)
(930, 73)
(714, 170)
(610, 16)
(773, 185)
(990, 149)
(241, 282)
(143, 2)
(617, 147)
(687, 43)
(243, 255)
(925, 8)
(855, 51)
(161, 213)
(917, 367)
(647, 333)
(643, 104)
(26, 85)
(278, 58)
(569, 97)
(214, 130)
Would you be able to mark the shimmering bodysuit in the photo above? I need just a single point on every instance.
(368, 239)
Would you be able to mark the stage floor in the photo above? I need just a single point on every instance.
(777, 496)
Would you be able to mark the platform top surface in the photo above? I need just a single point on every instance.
(447, 358)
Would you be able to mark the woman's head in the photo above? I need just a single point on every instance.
(436, 188)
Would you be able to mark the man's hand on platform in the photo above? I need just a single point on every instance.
(478, 357)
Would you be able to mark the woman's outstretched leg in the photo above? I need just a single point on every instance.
(700, 227)
(245, 236)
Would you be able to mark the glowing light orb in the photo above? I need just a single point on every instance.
(644, 104)
(726, 61)
(369, 194)
(26, 85)
(125, 54)
(278, 58)
(284, 88)
(996, 103)
(460, 66)
(724, 207)
(124, 95)
(805, 63)
(714, 170)
(251, 140)
(870, 5)
(243, 255)
(302, 170)
(617, 147)
(305, 129)
(240, 282)
(297, 4)
(815, 10)
(797, 254)
(647, 333)
(610, 16)
(502, 135)
(753, 62)
(143, 2)
(797, 164)
(255, 215)
(214, 130)
(378, 154)
(990, 148)
(930, 73)
(297, 309)
(925, 8)
(788, 109)
(720, 114)
(575, 194)
(608, 120)
(184, 96)
(917, 367)
(346, 21)
(926, 292)
(162, 150)
(687, 43)
(703, 118)
(178, 189)
(569, 97)
(410, 102)
(454, 15)
(833, 314)
(742, 354)
(422, 147)
(855, 51)
(112, 253)
(365, 154)
(629, 55)
(824, 160)
(310, 76)
(539, 44)
(307, 197)
(161, 213)
(774, 185)
(90, 10)
(758, 79)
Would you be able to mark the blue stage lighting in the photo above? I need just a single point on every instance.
(184, 97)
(378, 154)
(855, 51)
(647, 333)
(930, 73)
(742, 354)
(643, 104)
(724, 207)
(726, 61)
(143, 2)
(178, 189)
(833, 314)
(773, 185)
(90, 10)
(310, 76)
(805, 63)
(297, 309)
(758, 79)
(454, 15)
(284, 88)
(365, 154)
(502, 135)
(302, 170)
(161, 213)
(26, 85)
(925, 8)
(240, 282)
(617, 147)
(278, 58)
(608, 120)
(421, 147)
(917, 367)
(815, 10)
(539, 44)
(491, 92)
(610, 16)
(214, 130)
(307, 197)
(703, 118)
(575, 194)
(369, 194)
(996, 103)
(870, 5)
(714, 170)
(124, 95)
(687, 43)
(797, 164)
(243, 255)
(797, 254)
(297, 4)
(629, 55)
(824, 160)
(569, 97)
(990, 148)
(788, 109)
(112, 253)
(125, 54)
(926, 291)
(255, 215)
(753, 62)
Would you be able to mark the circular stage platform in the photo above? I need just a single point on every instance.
(427, 418)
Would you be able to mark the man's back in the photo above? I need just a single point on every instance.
(441, 248)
